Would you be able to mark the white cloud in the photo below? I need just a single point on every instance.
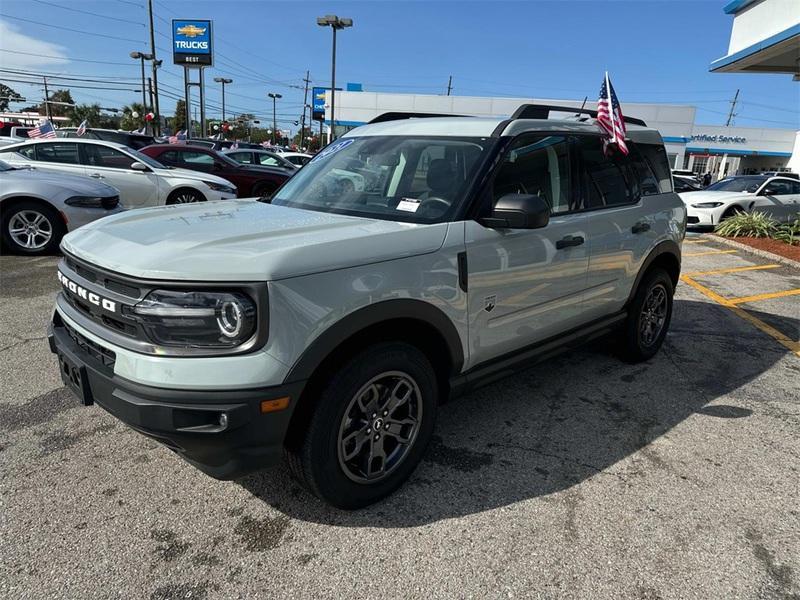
(38, 53)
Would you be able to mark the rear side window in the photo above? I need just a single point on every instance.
(656, 158)
(58, 153)
(103, 156)
(605, 180)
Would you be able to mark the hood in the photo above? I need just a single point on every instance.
(243, 240)
(712, 196)
(72, 183)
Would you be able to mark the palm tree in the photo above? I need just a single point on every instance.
(128, 121)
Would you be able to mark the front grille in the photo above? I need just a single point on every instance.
(110, 202)
(101, 354)
(96, 276)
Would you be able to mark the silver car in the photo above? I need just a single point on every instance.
(37, 208)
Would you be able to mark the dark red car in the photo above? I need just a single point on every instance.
(250, 180)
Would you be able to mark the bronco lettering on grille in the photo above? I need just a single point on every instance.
(85, 294)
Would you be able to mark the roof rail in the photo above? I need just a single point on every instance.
(542, 111)
(397, 116)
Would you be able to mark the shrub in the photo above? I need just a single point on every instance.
(753, 224)
(789, 232)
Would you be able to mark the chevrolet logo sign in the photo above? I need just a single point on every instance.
(191, 31)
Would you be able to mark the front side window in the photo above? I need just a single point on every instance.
(540, 166)
(401, 178)
(198, 159)
(58, 153)
(103, 156)
(777, 187)
(266, 159)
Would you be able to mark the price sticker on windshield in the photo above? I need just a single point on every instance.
(408, 204)
(333, 149)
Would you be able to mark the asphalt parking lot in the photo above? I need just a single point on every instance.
(582, 477)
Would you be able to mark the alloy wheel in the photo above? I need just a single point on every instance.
(379, 427)
(653, 315)
(30, 229)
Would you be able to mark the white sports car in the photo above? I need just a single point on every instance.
(777, 196)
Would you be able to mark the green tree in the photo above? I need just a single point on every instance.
(63, 98)
(128, 122)
(93, 116)
(7, 95)
(179, 120)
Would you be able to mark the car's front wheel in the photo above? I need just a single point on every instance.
(185, 196)
(648, 317)
(32, 228)
(370, 427)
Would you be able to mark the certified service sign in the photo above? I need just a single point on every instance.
(191, 43)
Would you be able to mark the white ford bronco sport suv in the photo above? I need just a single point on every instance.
(329, 323)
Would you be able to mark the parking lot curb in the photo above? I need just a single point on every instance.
(762, 253)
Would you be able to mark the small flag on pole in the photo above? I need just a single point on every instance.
(609, 116)
(44, 130)
(82, 128)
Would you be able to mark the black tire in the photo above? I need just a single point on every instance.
(49, 230)
(641, 338)
(185, 196)
(731, 212)
(319, 460)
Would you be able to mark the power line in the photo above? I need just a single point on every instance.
(87, 87)
(70, 59)
(71, 76)
(62, 28)
(86, 12)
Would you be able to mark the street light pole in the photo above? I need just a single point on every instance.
(274, 120)
(335, 23)
(141, 56)
(223, 81)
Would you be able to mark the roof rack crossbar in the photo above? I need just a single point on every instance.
(397, 116)
(542, 111)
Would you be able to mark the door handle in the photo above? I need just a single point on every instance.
(569, 241)
(97, 176)
(640, 227)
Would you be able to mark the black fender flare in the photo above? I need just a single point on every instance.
(664, 247)
(361, 319)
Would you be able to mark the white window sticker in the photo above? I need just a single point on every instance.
(408, 204)
(332, 149)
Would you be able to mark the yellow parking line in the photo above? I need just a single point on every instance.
(771, 331)
(696, 241)
(769, 296)
(733, 270)
(711, 252)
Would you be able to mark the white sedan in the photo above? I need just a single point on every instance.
(141, 180)
(778, 197)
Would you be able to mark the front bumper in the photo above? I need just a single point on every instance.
(701, 217)
(191, 423)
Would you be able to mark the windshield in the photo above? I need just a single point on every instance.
(150, 162)
(398, 178)
(737, 184)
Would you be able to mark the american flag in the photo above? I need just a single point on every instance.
(177, 138)
(81, 128)
(609, 116)
(43, 130)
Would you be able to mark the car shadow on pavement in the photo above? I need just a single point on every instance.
(559, 423)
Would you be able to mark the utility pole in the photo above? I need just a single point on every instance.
(155, 63)
(46, 99)
(150, 93)
(449, 85)
(303, 118)
(732, 114)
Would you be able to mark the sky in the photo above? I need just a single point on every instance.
(654, 51)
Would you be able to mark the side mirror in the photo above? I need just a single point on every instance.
(768, 191)
(518, 211)
(139, 166)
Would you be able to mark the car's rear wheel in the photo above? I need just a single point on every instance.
(370, 427)
(32, 228)
(648, 317)
(185, 196)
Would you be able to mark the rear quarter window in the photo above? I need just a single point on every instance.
(656, 157)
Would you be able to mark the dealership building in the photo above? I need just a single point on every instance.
(690, 145)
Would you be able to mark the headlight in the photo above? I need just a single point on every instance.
(707, 204)
(93, 201)
(218, 187)
(197, 319)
